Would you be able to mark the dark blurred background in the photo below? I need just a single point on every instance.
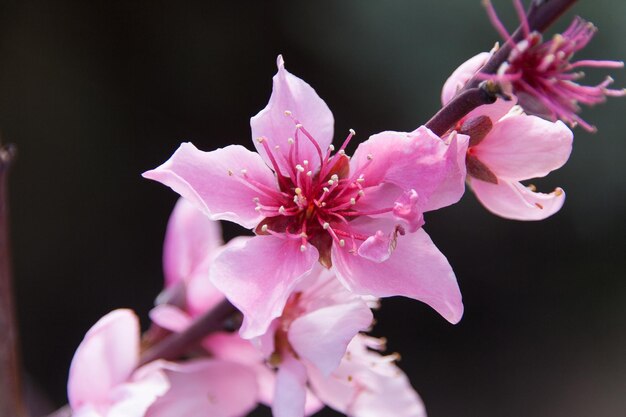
(94, 93)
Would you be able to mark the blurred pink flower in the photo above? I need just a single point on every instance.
(191, 243)
(367, 384)
(103, 381)
(206, 387)
(349, 214)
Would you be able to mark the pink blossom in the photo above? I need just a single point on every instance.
(316, 326)
(206, 387)
(103, 381)
(360, 216)
(318, 357)
(543, 76)
(367, 384)
(191, 243)
(506, 147)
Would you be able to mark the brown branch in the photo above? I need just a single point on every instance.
(11, 403)
(177, 344)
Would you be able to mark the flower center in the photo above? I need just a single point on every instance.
(315, 200)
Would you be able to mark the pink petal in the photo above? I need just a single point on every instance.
(290, 93)
(522, 147)
(170, 318)
(513, 200)
(231, 347)
(462, 75)
(452, 187)
(321, 336)
(416, 269)
(494, 111)
(105, 358)
(133, 399)
(257, 276)
(290, 394)
(406, 208)
(419, 160)
(367, 384)
(206, 388)
(214, 181)
(190, 238)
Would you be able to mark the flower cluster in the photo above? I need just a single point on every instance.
(332, 234)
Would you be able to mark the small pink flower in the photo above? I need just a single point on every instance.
(103, 381)
(360, 216)
(367, 384)
(506, 147)
(543, 76)
(316, 326)
(191, 243)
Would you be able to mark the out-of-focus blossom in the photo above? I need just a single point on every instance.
(367, 384)
(362, 216)
(316, 326)
(543, 76)
(191, 243)
(103, 381)
(313, 355)
(206, 387)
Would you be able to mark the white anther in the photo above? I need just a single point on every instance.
(331, 147)
(290, 141)
(326, 225)
(244, 171)
(260, 140)
(326, 190)
(323, 204)
(277, 147)
(298, 191)
(334, 177)
(341, 152)
(281, 209)
(264, 228)
(287, 113)
(305, 162)
(300, 168)
(230, 173)
(309, 173)
(353, 201)
(352, 132)
(303, 235)
(295, 199)
(342, 243)
(302, 248)
(369, 157)
(257, 208)
(331, 182)
(361, 193)
(299, 126)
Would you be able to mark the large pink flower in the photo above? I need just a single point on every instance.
(103, 381)
(507, 146)
(360, 216)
